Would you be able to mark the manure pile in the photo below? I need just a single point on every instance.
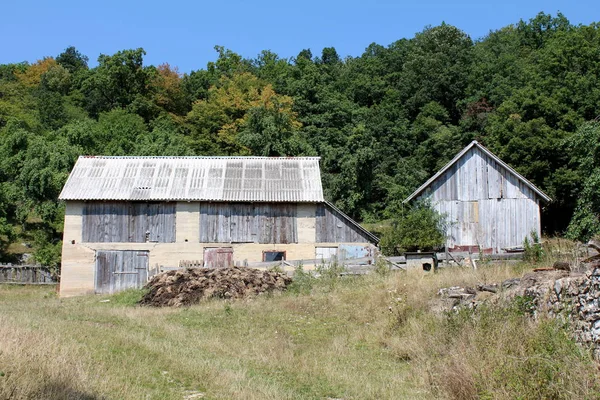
(184, 287)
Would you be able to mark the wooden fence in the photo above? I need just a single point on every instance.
(26, 275)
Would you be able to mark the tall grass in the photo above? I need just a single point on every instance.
(371, 337)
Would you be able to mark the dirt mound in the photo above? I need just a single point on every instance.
(188, 286)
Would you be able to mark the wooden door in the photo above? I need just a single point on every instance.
(117, 270)
(326, 253)
(221, 257)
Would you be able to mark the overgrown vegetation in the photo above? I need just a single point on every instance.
(382, 121)
(419, 227)
(478, 357)
(533, 251)
(366, 337)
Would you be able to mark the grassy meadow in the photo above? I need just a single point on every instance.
(368, 337)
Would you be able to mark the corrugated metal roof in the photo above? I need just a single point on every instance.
(260, 179)
(475, 143)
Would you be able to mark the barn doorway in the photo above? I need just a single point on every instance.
(218, 257)
(117, 270)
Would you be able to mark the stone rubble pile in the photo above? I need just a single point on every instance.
(560, 293)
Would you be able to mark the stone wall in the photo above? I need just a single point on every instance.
(577, 297)
(573, 296)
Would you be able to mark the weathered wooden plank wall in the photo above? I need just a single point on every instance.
(117, 270)
(484, 203)
(476, 176)
(333, 228)
(133, 222)
(26, 274)
(248, 223)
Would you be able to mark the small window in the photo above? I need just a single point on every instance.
(273, 255)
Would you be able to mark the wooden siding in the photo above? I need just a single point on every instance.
(484, 203)
(332, 227)
(120, 222)
(117, 270)
(248, 223)
(476, 176)
(26, 274)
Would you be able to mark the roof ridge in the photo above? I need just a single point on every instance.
(203, 157)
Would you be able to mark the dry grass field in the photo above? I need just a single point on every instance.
(370, 337)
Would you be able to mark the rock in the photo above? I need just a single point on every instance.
(483, 295)
(565, 266)
(558, 285)
(510, 283)
(488, 288)
(470, 290)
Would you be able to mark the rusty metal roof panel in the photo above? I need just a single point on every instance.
(253, 179)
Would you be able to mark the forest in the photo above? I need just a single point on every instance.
(382, 122)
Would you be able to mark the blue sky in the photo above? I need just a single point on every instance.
(184, 33)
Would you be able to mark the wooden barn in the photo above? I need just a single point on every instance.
(126, 215)
(488, 205)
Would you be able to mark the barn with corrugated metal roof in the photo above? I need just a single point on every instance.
(126, 216)
(488, 206)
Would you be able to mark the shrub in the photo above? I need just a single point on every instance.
(302, 281)
(418, 228)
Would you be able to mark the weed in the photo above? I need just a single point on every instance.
(331, 271)
(276, 268)
(533, 249)
(523, 305)
(302, 281)
(382, 267)
(129, 297)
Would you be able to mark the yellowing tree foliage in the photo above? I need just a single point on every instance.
(32, 76)
(224, 114)
(169, 92)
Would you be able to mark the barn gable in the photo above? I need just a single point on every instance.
(476, 174)
(487, 204)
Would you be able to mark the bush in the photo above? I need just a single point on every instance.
(302, 281)
(419, 228)
(47, 250)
